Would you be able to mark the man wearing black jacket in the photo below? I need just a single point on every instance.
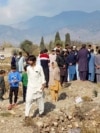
(62, 65)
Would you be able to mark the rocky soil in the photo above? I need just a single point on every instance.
(77, 111)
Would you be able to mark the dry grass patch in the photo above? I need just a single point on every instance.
(87, 99)
(90, 130)
(5, 114)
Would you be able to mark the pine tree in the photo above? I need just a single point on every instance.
(67, 39)
(42, 45)
(58, 41)
(57, 37)
(51, 46)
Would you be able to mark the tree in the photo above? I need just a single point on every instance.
(15, 51)
(58, 41)
(42, 45)
(51, 45)
(67, 39)
(57, 37)
(27, 47)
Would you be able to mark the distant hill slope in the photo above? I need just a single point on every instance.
(82, 26)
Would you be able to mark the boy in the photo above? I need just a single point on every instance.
(54, 82)
(35, 87)
(2, 85)
(13, 78)
(24, 82)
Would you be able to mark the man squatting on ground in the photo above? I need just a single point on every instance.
(35, 87)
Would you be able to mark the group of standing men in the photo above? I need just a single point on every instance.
(74, 64)
(19, 61)
(80, 64)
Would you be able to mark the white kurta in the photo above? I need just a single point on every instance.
(52, 58)
(35, 81)
(34, 89)
(21, 64)
(38, 60)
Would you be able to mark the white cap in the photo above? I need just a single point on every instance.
(74, 47)
(64, 49)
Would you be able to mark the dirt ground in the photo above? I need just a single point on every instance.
(77, 111)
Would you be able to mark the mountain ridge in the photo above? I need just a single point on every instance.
(38, 26)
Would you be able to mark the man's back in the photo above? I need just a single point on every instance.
(44, 60)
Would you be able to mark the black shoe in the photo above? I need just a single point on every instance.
(23, 101)
(41, 115)
(3, 98)
(46, 86)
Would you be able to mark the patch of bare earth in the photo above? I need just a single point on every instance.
(77, 111)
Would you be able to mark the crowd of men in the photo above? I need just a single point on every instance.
(75, 64)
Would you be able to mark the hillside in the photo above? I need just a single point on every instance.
(68, 115)
(76, 111)
(82, 26)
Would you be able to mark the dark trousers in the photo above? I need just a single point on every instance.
(24, 93)
(46, 73)
(83, 75)
(13, 90)
(63, 79)
(1, 94)
(63, 75)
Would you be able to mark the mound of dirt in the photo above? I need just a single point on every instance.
(77, 111)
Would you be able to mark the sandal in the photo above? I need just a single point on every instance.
(14, 105)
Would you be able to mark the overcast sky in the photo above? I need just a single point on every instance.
(13, 11)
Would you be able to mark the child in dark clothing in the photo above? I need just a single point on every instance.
(24, 82)
(2, 84)
(13, 78)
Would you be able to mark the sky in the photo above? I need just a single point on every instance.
(14, 11)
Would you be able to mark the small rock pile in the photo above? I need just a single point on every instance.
(59, 121)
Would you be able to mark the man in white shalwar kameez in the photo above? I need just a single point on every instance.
(21, 62)
(36, 84)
